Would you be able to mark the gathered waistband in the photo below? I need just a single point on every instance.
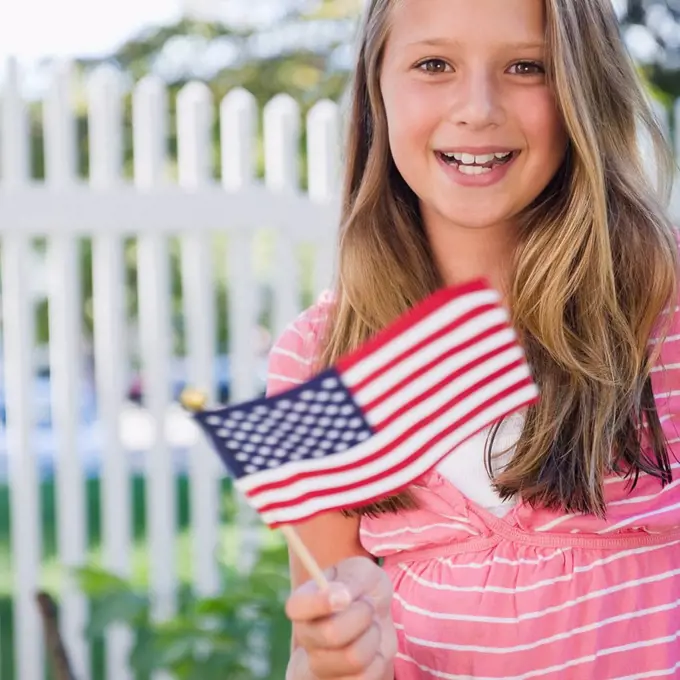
(502, 532)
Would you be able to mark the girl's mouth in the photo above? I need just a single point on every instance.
(479, 164)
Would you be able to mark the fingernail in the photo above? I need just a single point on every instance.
(339, 597)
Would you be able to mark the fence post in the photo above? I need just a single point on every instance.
(282, 152)
(66, 381)
(323, 154)
(195, 118)
(153, 280)
(238, 124)
(18, 331)
(110, 356)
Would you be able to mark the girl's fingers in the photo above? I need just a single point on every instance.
(354, 660)
(336, 631)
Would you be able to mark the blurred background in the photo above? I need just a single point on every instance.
(169, 174)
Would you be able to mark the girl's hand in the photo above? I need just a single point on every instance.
(346, 632)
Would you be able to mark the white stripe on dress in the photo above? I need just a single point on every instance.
(536, 585)
(478, 649)
(513, 620)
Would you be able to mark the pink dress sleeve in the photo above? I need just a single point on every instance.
(292, 358)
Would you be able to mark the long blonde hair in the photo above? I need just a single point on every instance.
(594, 271)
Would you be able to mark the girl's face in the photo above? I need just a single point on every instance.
(473, 126)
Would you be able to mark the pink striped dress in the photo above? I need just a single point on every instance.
(487, 590)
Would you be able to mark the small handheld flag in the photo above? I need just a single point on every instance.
(383, 416)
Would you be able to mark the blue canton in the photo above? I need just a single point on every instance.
(315, 420)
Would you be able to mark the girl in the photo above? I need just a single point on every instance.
(497, 138)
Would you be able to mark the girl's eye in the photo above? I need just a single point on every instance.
(527, 68)
(434, 66)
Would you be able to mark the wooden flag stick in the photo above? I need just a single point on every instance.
(302, 552)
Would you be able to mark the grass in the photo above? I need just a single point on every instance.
(51, 573)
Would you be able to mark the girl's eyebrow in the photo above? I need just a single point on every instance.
(449, 42)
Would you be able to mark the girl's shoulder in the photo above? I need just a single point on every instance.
(292, 357)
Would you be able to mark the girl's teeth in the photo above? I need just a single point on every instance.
(482, 159)
(473, 169)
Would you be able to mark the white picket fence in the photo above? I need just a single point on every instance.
(153, 209)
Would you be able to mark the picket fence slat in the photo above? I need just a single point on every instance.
(105, 117)
(195, 118)
(14, 152)
(65, 372)
(323, 169)
(281, 143)
(23, 474)
(18, 357)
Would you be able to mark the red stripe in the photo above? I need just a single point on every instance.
(309, 474)
(395, 442)
(273, 507)
(408, 319)
(376, 497)
(450, 328)
(496, 351)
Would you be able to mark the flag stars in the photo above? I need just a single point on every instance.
(317, 421)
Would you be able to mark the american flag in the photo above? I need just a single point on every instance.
(382, 416)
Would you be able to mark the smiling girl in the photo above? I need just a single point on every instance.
(498, 139)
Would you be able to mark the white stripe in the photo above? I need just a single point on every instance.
(650, 674)
(402, 477)
(625, 501)
(291, 355)
(383, 438)
(614, 480)
(513, 620)
(426, 406)
(294, 329)
(642, 499)
(665, 367)
(414, 388)
(378, 550)
(420, 331)
(557, 667)
(435, 349)
(667, 395)
(669, 338)
(284, 378)
(662, 420)
(448, 561)
(537, 585)
(419, 530)
(555, 522)
(627, 616)
(634, 519)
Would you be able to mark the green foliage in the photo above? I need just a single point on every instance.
(210, 638)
